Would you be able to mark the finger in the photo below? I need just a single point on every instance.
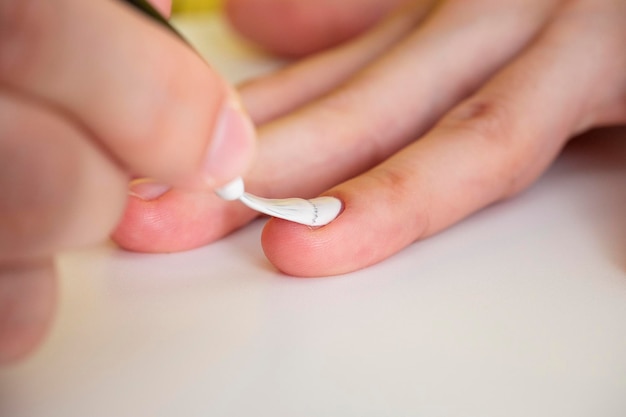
(296, 28)
(176, 220)
(488, 148)
(59, 190)
(276, 94)
(389, 103)
(148, 98)
(370, 117)
(27, 304)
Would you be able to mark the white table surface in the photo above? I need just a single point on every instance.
(518, 311)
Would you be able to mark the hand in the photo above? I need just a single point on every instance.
(90, 92)
(440, 109)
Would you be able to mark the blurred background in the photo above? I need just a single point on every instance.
(191, 6)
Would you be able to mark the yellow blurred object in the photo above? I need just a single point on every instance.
(190, 6)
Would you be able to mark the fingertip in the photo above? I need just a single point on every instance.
(264, 23)
(291, 248)
(159, 225)
(296, 28)
(306, 251)
(376, 222)
(143, 227)
(177, 221)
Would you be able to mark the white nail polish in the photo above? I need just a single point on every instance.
(314, 212)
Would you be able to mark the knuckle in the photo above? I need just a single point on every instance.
(394, 181)
(401, 195)
(487, 121)
(22, 26)
(491, 132)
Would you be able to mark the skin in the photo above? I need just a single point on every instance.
(434, 112)
(65, 76)
(312, 25)
(424, 118)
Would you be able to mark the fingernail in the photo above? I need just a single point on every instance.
(147, 189)
(231, 147)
